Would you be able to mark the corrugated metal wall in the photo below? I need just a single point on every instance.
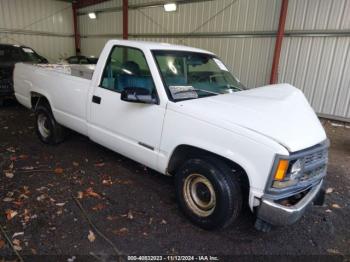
(242, 32)
(92, 31)
(249, 58)
(319, 65)
(45, 25)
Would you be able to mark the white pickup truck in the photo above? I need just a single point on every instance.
(179, 110)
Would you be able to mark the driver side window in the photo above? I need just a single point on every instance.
(127, 67)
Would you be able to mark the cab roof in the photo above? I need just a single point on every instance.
(158, 46)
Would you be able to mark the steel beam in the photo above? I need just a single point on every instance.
(125, 19)
(317, 33)
(245, 34)
(32, 32)
(278, 44)
(75, 27)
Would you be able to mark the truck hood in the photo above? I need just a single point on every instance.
(279, 112)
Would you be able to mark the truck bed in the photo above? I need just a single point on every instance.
(83, 71)
(65, 86)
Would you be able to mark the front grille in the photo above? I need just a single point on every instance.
(313, 169)
(314, 164)
(315, 158)
(314, 173)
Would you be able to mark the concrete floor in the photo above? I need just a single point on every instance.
(136, 208)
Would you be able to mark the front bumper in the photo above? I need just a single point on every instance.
(277, 214)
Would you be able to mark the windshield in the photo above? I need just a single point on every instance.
(189, 75)
(31, 56)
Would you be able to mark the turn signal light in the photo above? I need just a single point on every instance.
(281, 169)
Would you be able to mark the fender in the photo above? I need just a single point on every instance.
(238, 159)
(245, 162)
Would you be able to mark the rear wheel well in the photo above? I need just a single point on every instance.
(185, 152)
(37, 99)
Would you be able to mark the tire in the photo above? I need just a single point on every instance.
(48, 130)
(208, 192)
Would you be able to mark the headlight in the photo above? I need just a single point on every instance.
(295, 169)
(287, 173)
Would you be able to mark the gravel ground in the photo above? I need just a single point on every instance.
(135, 207)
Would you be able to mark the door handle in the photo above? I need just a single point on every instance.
(96, 99)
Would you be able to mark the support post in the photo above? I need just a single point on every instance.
(125, 19)
(76, 33)
(278, 44)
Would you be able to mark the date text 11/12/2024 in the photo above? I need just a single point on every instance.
(173, 258)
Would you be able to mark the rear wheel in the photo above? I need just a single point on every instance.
(208, 192)
(47, 129)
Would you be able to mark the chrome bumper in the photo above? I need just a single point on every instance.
(277, 214)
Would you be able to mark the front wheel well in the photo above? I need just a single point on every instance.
(185, 152)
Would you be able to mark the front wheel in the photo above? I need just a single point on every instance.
(47, 129)
(208, 192)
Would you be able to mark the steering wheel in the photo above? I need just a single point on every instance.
(199, 78)
(212, 77)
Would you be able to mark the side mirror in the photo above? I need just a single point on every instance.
(137, 95)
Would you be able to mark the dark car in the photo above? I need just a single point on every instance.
(9, 56)
(82, 60)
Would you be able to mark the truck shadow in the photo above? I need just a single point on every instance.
(153, 185)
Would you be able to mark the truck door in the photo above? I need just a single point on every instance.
(131, 129)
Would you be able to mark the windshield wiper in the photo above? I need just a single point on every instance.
(236, 88)
(195, 89)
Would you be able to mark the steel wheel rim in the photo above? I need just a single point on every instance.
(199, 195)
(43, 126)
